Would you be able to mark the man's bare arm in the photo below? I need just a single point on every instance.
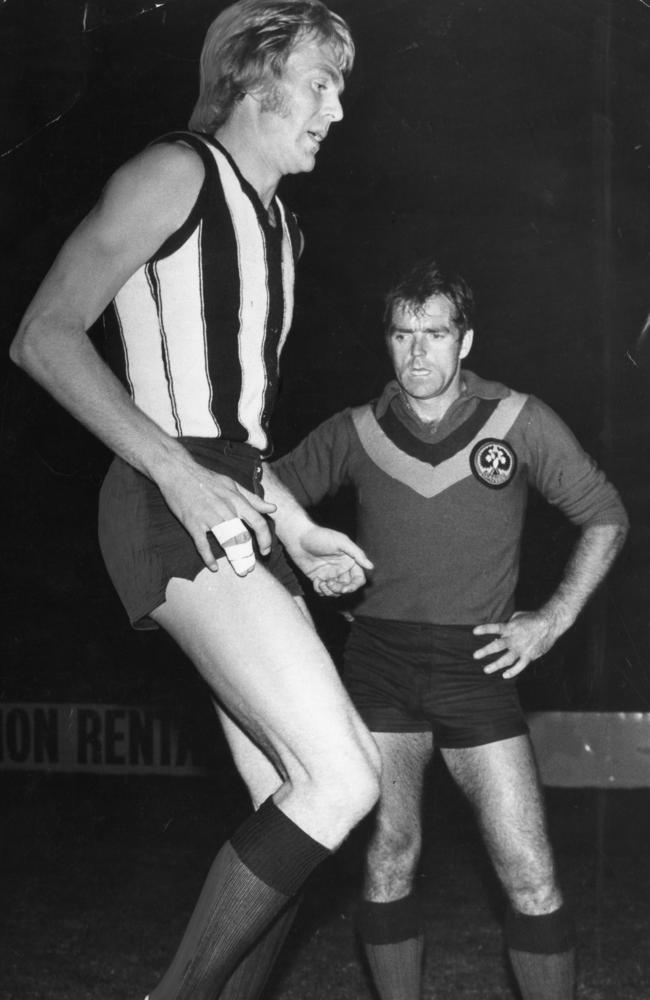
(332, 561)
(144, 202)
(530, 634)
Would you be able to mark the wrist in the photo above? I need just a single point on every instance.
(559, 615)
(291, 526)
(165, 460)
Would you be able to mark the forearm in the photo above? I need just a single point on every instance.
(291, 520)
(588, 565)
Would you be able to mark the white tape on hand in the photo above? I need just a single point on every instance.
(239, 554)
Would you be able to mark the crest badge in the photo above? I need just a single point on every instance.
(493, 462)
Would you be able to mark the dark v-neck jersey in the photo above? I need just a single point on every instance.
(442, 519)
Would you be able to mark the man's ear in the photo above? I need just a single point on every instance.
(466, 345)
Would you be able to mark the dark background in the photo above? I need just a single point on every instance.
(512, 135)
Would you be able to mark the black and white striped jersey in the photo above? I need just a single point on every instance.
(196, 333)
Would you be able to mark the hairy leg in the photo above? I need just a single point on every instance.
(389, 920)
(501, 781)
(394, 848)
(502, 784)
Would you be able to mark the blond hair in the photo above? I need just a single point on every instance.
(250, 42)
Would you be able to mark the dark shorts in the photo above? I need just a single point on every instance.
(144, 545)
(405, 677)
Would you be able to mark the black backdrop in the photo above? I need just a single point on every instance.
(513, 135)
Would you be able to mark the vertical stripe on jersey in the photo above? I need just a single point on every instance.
(182, 324)
(154, 285)
(288, 278)
(253, 302)
(137, 315)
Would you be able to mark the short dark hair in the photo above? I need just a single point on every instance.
(420, 282)
(250, 42)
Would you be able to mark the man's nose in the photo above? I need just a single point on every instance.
(333, 107)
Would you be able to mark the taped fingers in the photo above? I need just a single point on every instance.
(235, 539)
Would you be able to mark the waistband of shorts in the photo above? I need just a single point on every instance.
(221, 446)
(395, 624)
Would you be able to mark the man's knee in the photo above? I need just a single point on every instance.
(345, 783)
(356, 784)
(531, 885)
(396, 842)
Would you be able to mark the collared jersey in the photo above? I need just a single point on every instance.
(196, 333)
(442, 520)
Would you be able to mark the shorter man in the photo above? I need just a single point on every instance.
(441, 464)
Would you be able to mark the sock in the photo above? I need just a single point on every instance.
(392, 935)
(541, 950)
(251, 975)
(250, 882)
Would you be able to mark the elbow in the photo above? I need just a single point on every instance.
(31, 349)
(617, 536)
(24, 348)
(16, 350)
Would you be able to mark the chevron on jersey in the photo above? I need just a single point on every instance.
(422, 477)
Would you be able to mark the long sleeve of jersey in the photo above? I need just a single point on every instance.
(564, 473)
(318, 466)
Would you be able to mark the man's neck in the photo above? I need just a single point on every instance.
(431, 411)
(245, 151)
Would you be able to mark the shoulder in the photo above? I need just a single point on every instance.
(538, 410)
(159, 186)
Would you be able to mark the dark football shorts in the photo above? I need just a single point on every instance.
(406, 677)
(143, 543)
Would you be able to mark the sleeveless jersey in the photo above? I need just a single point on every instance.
(196, 333)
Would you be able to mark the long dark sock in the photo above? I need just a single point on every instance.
(251, 880)
(392, 935)
(251, 975)
(541, 950)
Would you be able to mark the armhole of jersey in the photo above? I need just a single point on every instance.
(176, 240)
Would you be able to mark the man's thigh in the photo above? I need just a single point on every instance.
(263, 660)
(404, 759)
(501, 781)
(261, 776)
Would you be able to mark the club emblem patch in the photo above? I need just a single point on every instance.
(493, 462)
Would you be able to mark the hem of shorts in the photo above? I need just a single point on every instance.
(141, 620)
(388, 727)
(509, 734)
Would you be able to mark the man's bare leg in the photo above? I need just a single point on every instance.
(266, 665)
(389, 920)
(502, 784)
(248, 979)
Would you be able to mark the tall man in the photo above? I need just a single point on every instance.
(441, 464)
(190, 255)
